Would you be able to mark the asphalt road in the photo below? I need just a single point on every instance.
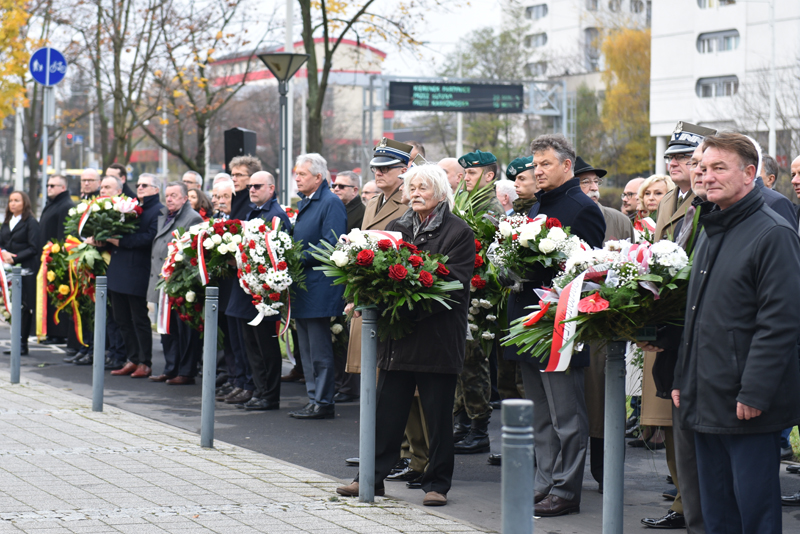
(323, 445)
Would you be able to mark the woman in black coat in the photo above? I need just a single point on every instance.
(432, 355)
(19, 241)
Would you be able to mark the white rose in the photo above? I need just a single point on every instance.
(81, 207)
(528, 233)
(237, 239)
(72, 212)
(222, 249)
(216, 239)
(505, 229)
(557, 234)
(208, 243)
(227, 237)
(547, 245)
(487, 335)
(108, 205)
(336, 328)
(190, 296)
(340, 258)
(95, 207)
(178, 257)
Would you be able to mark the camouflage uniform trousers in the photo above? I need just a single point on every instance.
(473, 388)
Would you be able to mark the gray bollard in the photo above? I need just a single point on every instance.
(369, 403)
(209, 367)
(16, 322)
(517, 467)
(99, 363)
(614, 453)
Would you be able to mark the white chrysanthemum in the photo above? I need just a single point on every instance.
(547, 245)
(473, 327)
(475, 302)
(485, 304)
(470, 317)
(491, 317)
(487, 335)
(336, 328)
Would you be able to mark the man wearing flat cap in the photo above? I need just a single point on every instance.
(480, 169)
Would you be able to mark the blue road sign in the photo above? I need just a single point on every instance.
(78, 139)
(48, 66)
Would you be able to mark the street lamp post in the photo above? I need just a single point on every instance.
(283, 66)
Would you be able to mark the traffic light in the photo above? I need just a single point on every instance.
(70, 139)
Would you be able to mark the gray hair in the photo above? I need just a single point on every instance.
(225, 184)
(770, 165)
(354, 178)
(197, 177)
(184, 189)
(155, 179)
(557, 142)
(434, 176)
(221, 177)
(316, 163)
(506, 187)
(117, 180)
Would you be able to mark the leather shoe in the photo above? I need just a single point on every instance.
(127, 369)
(793, 469)
(344, 397)
(316, 412)
(669, 480)
(406, 475)
(787, 453)
(649, 445)
(553, 506)
(352, 461)
(293, 376)
(181, 381)
(229, 395)
(415, 484)
(401, 465)
(240, 398)
(495, 458)
(23, 351)
(671, 520)
(160, 378)
(222, 391)
(791, 500)
(351, 490)
(255, 404)
(142, 371)
(113, 365)
(73, 356)
(538, 497)
(670, 494)
(85, 359)
(53, 341)
(434, 498)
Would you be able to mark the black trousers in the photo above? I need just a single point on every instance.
(264, 355)
(395, 394)
(130, 313)
(182, 348)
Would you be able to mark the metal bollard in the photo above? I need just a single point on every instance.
(16, 322)
(99, 357)
(209, 368)
(369, 403)
(614, 453)
(517, 467)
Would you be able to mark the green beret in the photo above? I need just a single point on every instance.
(476, 159)
(519, 165)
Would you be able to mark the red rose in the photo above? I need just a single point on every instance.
(198, 307)
(551, 222)
(409, 246)
(179, 301)
(384, 244)
(138, 210)
(252, 244)
(262, 269)
(274, 297)
(51, 288)
(397, 272)
(477, 282)
(425, 278)
(442, 270)
(416, 261)
(478, 261)
(247, 269)
(48, 259)
(193, 261)
(478, 246)
(365, 257)
(262, 229)
(60, 296)
(282, 266)
(200, 328)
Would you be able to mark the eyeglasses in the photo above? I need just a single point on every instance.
(626, 196)
(256, 187)
(49, 186)
(596, 181)
(385, 169)
(340, 186)
(239, 175)
(140, 186)
(189, 182)
(90, 180)
(679, 158)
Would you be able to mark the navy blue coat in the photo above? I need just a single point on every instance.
(129, 270)
(321, 218)
(240, 304)
(573, 208)
(779, 203)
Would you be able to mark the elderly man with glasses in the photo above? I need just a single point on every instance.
(192, 180)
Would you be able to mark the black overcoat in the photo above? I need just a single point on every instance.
(51, 223)
(129, 270)
(24, 242)
(740, 339)
(438, 341)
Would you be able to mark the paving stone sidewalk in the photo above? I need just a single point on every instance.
(66, 469)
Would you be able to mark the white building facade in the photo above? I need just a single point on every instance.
(710, 65)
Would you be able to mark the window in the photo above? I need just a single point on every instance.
(637, 6)
(708, 43)
(717, 87)
(705, 4)
(538, 68)
(591, 5)
(591, 47)
(614, 5)
(536, 40)
(536, 12)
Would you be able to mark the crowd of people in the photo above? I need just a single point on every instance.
(720, 393)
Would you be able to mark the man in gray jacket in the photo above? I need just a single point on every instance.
(181, 346)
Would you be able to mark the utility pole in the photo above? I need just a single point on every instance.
(19, 153)
(289, 45)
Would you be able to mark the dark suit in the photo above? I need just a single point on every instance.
(355, 213)
(23, 241)
(51, 226)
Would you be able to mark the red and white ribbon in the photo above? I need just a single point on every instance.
(260, 317)
(394, 237)
(560, 350)
(85, 216)
(164, 310)
(201, 259)
(4, 282)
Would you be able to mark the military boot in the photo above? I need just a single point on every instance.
(477, 440)
(461, 425)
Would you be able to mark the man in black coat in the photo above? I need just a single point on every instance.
(128, 276)
(51, 226)
(90, 184)
(560, 419)
(117, 170)
(737, 380)
(348, 188)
